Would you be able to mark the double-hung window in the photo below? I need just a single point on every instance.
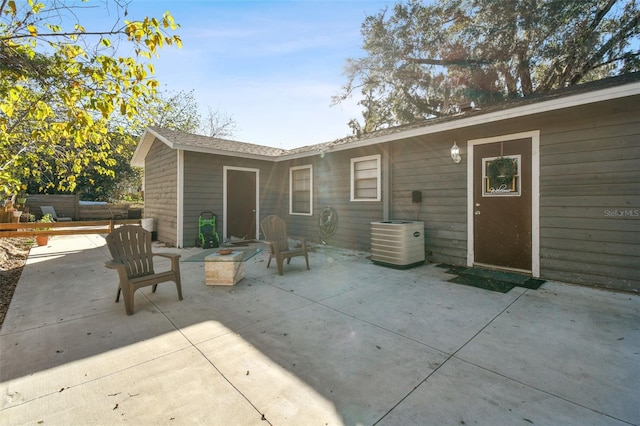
(301, 190)
(365, 178)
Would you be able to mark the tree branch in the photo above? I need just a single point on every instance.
(66, 34)
(591, 61)
(465, 62)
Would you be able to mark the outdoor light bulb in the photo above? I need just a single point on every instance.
(455, 153)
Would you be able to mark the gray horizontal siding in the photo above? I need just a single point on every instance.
(203, 189)
(160, 191)
(589, 192)
(425, 165)
(202, 192)
(580, 271)
(332, 175)
(590, 202)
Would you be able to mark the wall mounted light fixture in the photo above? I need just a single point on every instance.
(455, 153)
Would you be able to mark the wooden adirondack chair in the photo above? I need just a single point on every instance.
(130, 248)
(274, 229)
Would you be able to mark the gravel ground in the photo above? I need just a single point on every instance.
(13, 255)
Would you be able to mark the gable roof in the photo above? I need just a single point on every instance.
(597, 91)
(197, 143)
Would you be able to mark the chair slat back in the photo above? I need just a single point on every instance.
(274, 229)
(131, 245)
(49, 210)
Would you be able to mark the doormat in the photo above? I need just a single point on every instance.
(484, 283)
(491, 280)
(508, 277)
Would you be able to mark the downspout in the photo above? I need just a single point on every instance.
(180, 200)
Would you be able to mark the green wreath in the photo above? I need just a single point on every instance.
(502, 170)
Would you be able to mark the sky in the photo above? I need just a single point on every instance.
(272, 66)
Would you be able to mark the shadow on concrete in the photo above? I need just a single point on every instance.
(348, 342)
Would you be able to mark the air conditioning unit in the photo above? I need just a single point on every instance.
(397, 243)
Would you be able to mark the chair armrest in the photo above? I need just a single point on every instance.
(273, 248)
(114, 265)
(302, 240)
(120, 267)
(175, 265)
(168, 255)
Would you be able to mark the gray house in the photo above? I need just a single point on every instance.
(547, 185)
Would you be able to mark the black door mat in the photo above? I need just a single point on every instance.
(509, 277)
(484, 283)
(488, 278)
(532, 284)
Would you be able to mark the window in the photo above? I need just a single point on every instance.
(301, 190)
(365, 178)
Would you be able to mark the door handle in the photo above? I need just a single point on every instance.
(477, 212)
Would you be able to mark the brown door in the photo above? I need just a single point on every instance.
(502, 204)
(241, 204)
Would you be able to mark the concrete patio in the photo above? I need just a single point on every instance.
(347, 342)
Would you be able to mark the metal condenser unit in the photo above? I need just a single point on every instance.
(397, 243)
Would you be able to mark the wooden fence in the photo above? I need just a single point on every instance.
(34, 229)
(70, 206)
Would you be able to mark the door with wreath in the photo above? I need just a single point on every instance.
(502, 204)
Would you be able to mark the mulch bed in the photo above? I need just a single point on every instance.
(13, 256)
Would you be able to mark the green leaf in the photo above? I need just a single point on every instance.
(59, 104)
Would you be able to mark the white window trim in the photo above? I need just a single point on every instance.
(376, 157)
(291, 170)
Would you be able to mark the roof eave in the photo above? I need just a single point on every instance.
(586, 98)
(207, 150)
(144, 146)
